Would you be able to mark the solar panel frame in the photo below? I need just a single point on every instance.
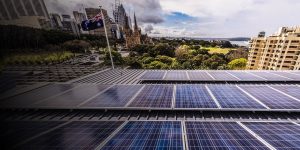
(231, 97)
(147, 135)
(153, 97)
(193, 96)
(222, 76)
(153, 75)
(72, 98)
(199, 76)
(15, 132)
(28, 98)
(176, 76)
(281, 135)
(75, 135)
(115, 97)
(272, 98)
(219, 135)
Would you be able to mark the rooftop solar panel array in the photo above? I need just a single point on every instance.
(220, 135)
(154, 96)
(280, 135)
(272, 98)
(229, 96)
(147, 135)
(290, 90)
(193, 96)
(222, 75)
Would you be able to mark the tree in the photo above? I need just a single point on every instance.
(117, 58)
(238, 64)
(77, 46)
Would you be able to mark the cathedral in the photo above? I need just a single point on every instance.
(132, 37)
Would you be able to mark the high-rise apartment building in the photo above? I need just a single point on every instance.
(280, 51)
(31, 13)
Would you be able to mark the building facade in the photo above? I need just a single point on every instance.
(69, 25)
(132, 37)
(280, 51)
(30, 13)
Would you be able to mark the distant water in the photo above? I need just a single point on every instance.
(240, 43)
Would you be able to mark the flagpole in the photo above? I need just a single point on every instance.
(111, 59)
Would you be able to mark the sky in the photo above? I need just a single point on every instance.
(199, 18)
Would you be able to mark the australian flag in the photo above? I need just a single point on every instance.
(92, 24)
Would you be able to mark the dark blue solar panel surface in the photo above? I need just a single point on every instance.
(289, 75)
(279, 135)
(244, 76)
(116, 96)
(148, 135)
(14, 132)
(199, 76)
(154, 96)
(229, 96)
(222, 75)
(193, 96)
(220, 135)
(76, 135)
(34, 96)
(269, 76)
(290, 90)
(153, 75)
(74, 97)
(272, 98)
(176, 75)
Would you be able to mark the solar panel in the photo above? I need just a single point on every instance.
(147, 135)
(272, 98)
(244, 76)
(290, 90)
(34, 96)
(74, 97)
(269, 76)
(15, 132)
(193, 96)
(116, 96)
(76, 135)
(222, 75)
(153, 75)
(289, 75)
(220, 135)
(229, 96)
(154, 96)
(199, 76)
(176, 75)
(281, 135)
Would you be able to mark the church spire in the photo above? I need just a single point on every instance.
(136, 28)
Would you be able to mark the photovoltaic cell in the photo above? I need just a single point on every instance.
(176, 75)
(290, 90)
(14, 132)
(153, 75)
(76, 135)
(116, 96)
(229, 96)
(244, 76)
(147, 135)
(272, 98)
(193, 96)
(269, 76)
(289, 75)
(220, 135)
(199, 76)
(34, 96)
(154, 96)
(74, 97)
(281, 135)
(222, 75)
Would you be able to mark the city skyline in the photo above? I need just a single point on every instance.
(215, 19)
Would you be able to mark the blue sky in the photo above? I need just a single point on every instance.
(201, 18)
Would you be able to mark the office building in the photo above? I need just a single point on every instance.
(69, 25)
(91, 13)
(280, 51)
